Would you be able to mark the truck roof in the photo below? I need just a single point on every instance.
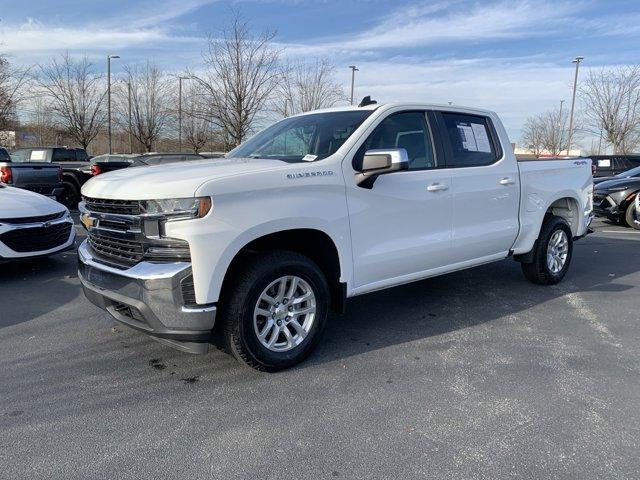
(408, 105)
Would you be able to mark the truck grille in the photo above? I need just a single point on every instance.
(127, 252)
(116, 207)
(41, 218)
(37, 239)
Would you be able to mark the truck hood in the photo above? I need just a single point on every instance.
(172, 180)
(17, 203)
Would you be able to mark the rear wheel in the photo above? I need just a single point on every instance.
(70, 195)
(552, 253)
(631, 216)
(274, 317)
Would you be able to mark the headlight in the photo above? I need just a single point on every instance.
(176, 208)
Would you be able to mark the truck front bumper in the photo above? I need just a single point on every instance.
(148, 297)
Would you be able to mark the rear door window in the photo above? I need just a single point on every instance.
(470, 140)
(63, 155)
(81, 156)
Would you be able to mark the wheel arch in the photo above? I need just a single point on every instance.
(315, 244)
(71, 176)
(567, 208)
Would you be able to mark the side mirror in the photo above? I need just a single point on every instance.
(379, 162)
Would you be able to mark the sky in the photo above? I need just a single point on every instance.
(513, 57)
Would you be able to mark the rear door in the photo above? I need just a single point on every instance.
(486, 187)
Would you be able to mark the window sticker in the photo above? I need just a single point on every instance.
(482, 139)
(467, 137)
(474, 137)
(309, 157)
(604, 162)
(37, 155)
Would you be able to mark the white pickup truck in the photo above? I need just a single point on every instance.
(252, 251)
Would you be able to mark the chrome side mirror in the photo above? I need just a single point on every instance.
(379, 162)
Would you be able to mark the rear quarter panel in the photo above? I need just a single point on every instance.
(544, 182)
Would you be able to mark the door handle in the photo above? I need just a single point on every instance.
(436, 187)
(507, 181)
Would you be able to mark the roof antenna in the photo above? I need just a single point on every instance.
(367, 101)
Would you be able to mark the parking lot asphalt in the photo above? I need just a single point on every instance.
(476, 374)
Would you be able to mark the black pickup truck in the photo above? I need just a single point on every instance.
(40, 177)
(75, 163)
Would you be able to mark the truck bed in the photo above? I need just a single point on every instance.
(542, 183)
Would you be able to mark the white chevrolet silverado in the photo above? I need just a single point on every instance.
(252, 251)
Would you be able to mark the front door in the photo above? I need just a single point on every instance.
(402, 225)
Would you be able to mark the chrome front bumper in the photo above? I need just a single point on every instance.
(148, 297)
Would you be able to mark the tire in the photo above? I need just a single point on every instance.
(630, 216)
(539, 271)
(71, 195)
(260, 277)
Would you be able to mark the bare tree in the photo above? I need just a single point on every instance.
(241, 74)
(76, 95)
(546, 133)
(12, 91)
(555, 132)
(612, 103)
(43, 123)
(151, 97)
(308, 86)
(532, 137)
(196, 126)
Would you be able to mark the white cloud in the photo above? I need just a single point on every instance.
(514, 88)
(425, 25)
(33, 36)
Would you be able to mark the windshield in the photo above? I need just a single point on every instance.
(634, 172)
(309, 137)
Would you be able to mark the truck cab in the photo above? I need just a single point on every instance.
(253, 250)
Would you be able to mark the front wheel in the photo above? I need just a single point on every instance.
(275, 314)
(552, 253)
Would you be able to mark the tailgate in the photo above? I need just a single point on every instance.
(41, 178)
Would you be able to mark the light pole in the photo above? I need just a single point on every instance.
(109, 57)
(130, 126)
(180, 111)
(354, 69)
(577, 61)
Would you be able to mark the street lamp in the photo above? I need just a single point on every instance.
(180, 111)
(354, 69)
(577, 61)
(109, 57)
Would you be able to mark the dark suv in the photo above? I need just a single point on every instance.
(75, 165)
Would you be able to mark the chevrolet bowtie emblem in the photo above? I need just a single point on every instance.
(87, 221)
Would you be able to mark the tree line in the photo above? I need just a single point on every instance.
(610, 100)
(242, 82)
